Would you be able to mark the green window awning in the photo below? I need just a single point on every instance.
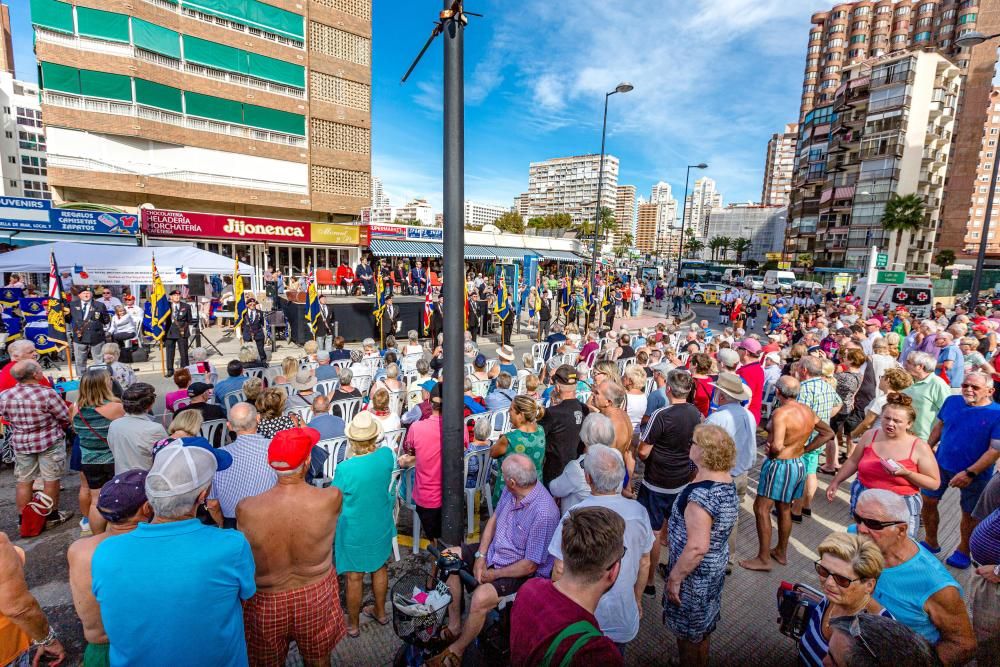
(157, 95)
(60, 77)
(103, 25)
(279, 71)
(106, 85)
(213, 108)
(255, 14)
(273, 119)
(53, 15)
(155, 38)
(210, 54)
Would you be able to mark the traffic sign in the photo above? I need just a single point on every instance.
(881, 261)
(892, 277)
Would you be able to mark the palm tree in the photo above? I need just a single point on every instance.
(724, 243)
(740, 246)
(945, 258)
(903, 213)
(693, 247)
(715, 244)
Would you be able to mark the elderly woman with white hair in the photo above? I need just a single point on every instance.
(123, 375)
(571, 486)
(914, 586)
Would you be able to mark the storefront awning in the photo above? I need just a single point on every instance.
(559, 256)
(480, 252)
(394, 248)
(55, 237)
(516, 254)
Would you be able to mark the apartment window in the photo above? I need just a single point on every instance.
(966, 18)
(834, 57)
(812, 62)
(881, 24)
(983, 189)
(945, 29)
(884, 9)
(832, 69)
(859, 25)
(13, 183)
(10, 135)
(10, 158)
(902, 11)
(830, 83)
(856, 39)
(948, 14)
(814, 49)
(963, 64)
(922, 37)
(878, 52)
(862, 11)
(837, 41)
(899, 39)
(810, 88)
(840, 27)
(858, 53)
(842, 14)
(925, 22)
(926, 7)
(815, 36)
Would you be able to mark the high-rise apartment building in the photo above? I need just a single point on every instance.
(569, 185)
(647, 228)
(700, 202)
(977, 207)
(6, 41)
(24, 166)
(779, 166)
(662, 196)
(851, 32)
(762, 225)
(251, 107)
(888, 131)
(379, 198)
(417, 211)
(668, 245)
(478, 214)
(624, 213)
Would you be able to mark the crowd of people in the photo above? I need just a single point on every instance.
(610, 460)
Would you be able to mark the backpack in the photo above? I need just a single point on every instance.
(585, 629)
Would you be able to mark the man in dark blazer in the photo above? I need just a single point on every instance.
(88, 319)
(254, 326)
(437, 319)
(418, 278)
(324, 324)
(178, 328)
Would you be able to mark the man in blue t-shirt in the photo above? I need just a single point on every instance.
(950, 361)
(967, 436)
(170, 591)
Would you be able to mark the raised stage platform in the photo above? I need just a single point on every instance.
(353, 317)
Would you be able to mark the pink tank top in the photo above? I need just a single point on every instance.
(872, 475)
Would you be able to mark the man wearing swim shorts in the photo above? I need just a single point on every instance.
(819, 396)
(782, 477)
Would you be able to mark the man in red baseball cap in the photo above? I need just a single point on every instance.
(290, 529)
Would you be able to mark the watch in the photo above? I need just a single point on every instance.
(48, 640)
(970, 473)
(478, 555)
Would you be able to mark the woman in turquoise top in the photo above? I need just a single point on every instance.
(96, 407)
(525, 437)
(366, 527)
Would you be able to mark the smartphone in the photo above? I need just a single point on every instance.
(890, 465)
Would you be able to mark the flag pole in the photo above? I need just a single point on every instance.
(69, 358)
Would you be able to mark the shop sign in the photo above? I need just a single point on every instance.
(38, 215)
(397, 232)
(85, 274)
(210, 225)
(336, 234)
(424, 233)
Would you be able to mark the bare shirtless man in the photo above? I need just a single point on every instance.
(782, 477)
(290, 529)
(123, 505)
(608, 399)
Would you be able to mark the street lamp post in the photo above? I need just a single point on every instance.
(970, 40)
(687, 177)
(622, 87)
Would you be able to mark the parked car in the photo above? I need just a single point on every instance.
(806, 285)
(698, 291)
(753, 282)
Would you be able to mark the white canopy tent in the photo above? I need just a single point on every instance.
(35, 259)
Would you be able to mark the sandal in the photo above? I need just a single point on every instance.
(447, 636)
(355, 634)
(445, 659)
(369, 612)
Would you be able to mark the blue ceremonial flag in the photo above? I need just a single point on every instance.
(564, 295)
(157, 309)
(11, 296)
(381, 294)
(502, 305)
(13, 324)
(149, 328)
(37, 331)
(239, 301)
(312, 303)
(33, 307)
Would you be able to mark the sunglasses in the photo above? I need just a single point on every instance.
(839, 579)
(617, 560)
(973, 386)
(856, 634)
(875, 524)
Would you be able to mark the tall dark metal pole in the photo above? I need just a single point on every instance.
(984, 234)
(600, 188)
(452, 442)
(684, 206)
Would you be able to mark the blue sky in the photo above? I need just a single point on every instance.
(713, 80)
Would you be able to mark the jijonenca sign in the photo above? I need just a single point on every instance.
(209, 225)
(243, 228)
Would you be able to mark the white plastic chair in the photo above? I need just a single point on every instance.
(340, 363)
(650, 386)
(254, 372)
(393, 439)
(405, 495)
(491, 364)
(214, 430)
(305, 413)
(500, 420)
(346, 408)
(181, 404)
(538, 351)
(583, 396)
(397, 401)
(232, 398)
(625, 363)
(336, 448)
(327, 387)
(480, 388)
(307, 365)
(469, 370)
(362, 382)
(568, 358)
(409, 361)
(768, 398)
(482, 482)
(408, 377)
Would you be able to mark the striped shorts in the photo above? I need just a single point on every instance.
(782, 480)
(310, 616)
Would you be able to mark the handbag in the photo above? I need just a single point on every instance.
(34, 515)
(795, 606)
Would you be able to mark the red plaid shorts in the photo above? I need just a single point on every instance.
(311, 616)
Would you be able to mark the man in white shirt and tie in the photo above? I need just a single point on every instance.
(253, 327)
(88, 319)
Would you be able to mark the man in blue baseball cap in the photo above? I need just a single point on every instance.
(422, 410)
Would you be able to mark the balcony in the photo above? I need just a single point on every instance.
(890, 103)
(128, 109)
(87, 164)
(89, 45)
(221, 22)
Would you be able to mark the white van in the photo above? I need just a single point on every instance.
(778, 281)
(916, 294)
(734, 275)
